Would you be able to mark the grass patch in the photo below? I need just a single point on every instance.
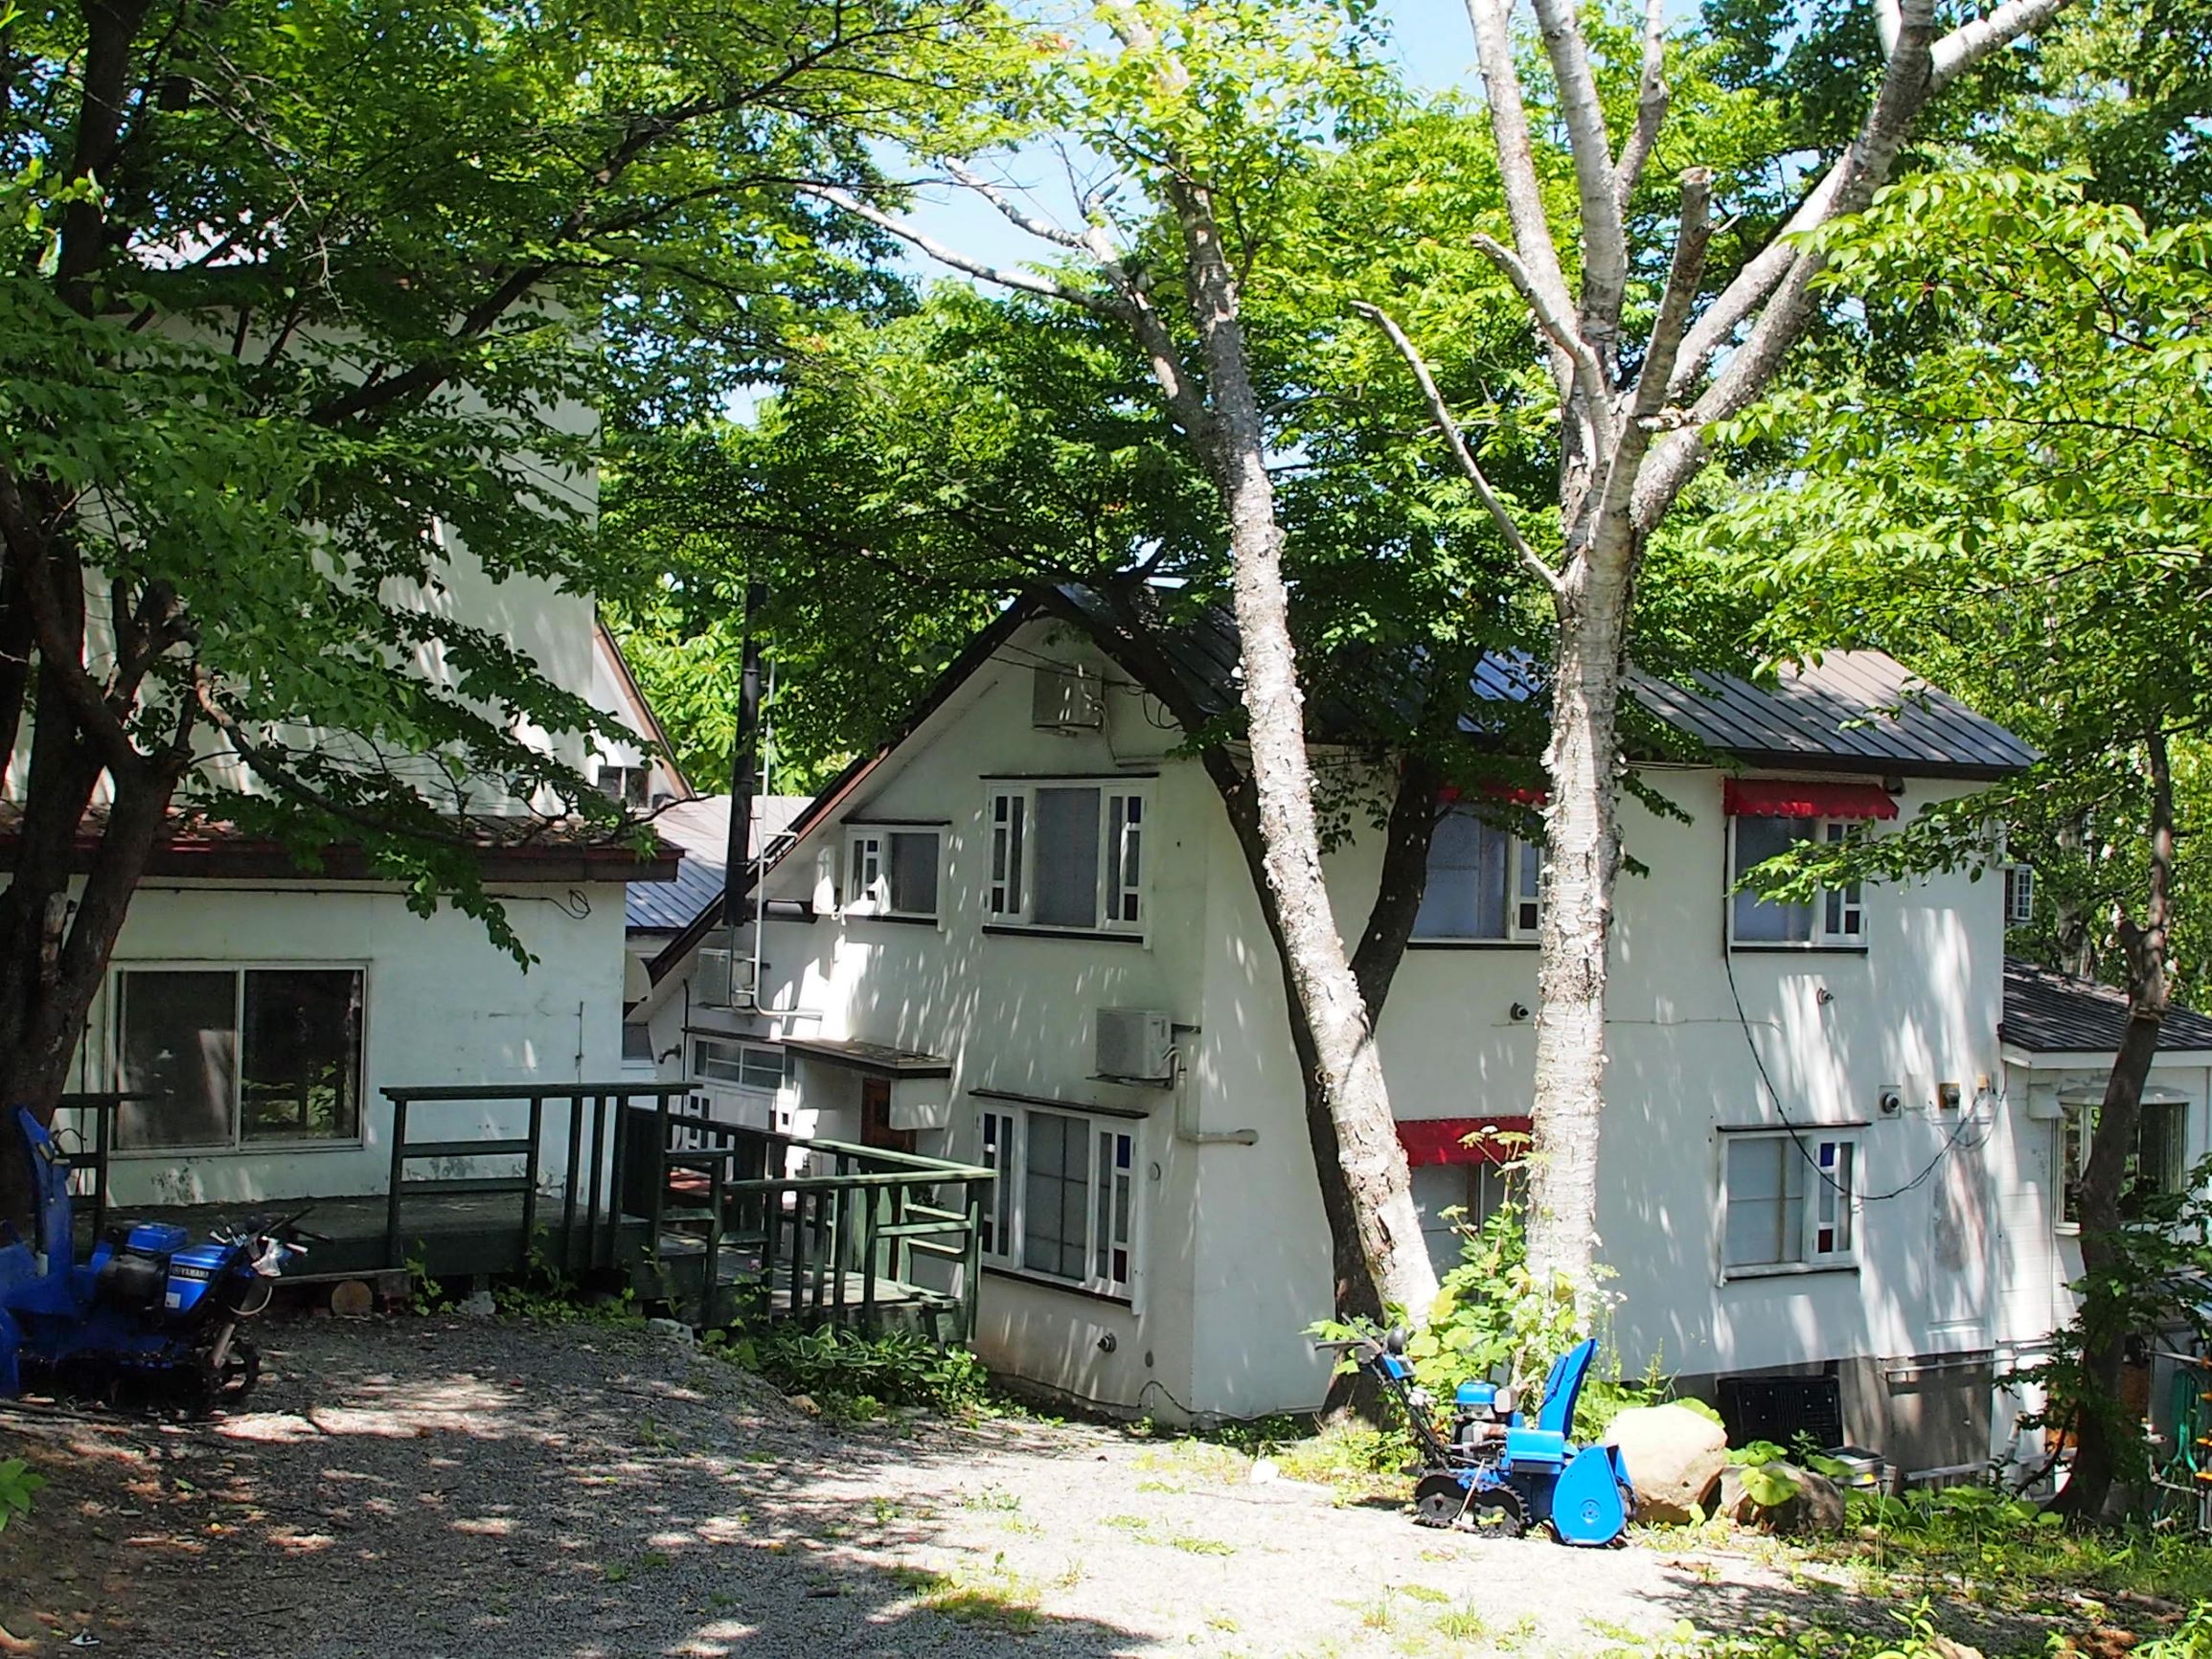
(1191, 1544)
(1201, 1460)
(1000, 1600)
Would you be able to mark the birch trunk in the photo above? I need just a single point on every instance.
(1584, 846)
(1345, 1069)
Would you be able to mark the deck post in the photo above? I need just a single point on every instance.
(972, 1258)
(714, 1200)
(601, 1158)
(531, 1164)
(568, 1183)
(392, 1256)
(798, 1245)
(868, 1249)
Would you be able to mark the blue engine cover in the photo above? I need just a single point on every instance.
(156, 1239)
(193, 1273)
(1477, 1394)
(1535, 1448)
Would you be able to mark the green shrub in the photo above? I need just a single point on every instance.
(851, 1374)
(17, 1483)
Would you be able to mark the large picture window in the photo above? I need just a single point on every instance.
(1834, 918)
(1067, 856)
(1792, 1201)
(1062, 1206)
(234, 1057)
(1482, 883)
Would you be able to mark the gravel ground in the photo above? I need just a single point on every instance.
(451, 1489)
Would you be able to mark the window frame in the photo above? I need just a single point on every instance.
(746, 1051)
(1113, 1196)
(873, 897)
(1844, 906)
(1820, 1208)
(111, 1031)
(1522, 911)
(2075, 1131)
(1121, 904)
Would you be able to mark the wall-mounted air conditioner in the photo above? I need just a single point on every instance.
(1065, 697)
(1136, 1045)
(721, 979)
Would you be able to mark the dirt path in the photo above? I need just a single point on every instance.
(450, 1490)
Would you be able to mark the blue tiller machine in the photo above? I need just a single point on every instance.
(1497, 1473)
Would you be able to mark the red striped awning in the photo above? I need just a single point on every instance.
(1461, 1140)
(1794, 798)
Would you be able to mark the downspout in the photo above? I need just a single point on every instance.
(1187, 1129)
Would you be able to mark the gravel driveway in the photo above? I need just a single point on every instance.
(417, 1487)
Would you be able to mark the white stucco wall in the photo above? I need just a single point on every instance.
(441, 1006)
(1235, 1257)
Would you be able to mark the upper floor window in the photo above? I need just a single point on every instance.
(1837, 917)
(631, 785)
(1482, 883)
(891, 873)
(1067, 855)
(1789, 1201)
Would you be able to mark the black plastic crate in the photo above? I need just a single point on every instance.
(1780, 1408)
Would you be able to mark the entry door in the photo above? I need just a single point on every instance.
(876, 1128)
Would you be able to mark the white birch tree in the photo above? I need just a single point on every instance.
(1198, 108)
(1633, 435)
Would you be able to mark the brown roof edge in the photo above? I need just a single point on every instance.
(205, 855)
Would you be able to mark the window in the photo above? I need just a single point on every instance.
(232, 1056)
(747, 1065)
(1837, 918)
(628, 785)
(637, 1041)
(891, 873)
(1482, 883)
(2158, 1163)
(1067, 856)
(1792, 1201)
(1454, 1199)
(1064, 1201)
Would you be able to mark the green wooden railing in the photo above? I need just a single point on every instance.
(586, 1116)
(851, 1233)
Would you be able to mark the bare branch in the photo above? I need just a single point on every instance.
(1949, 58)
(1552, 318)
(1022, 282)
(1012, 211)
(1439, 414)
(1651, 107)
(1645, 409)
(1604, 246)
(1517, 165)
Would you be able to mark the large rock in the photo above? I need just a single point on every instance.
(1817, 1507)
(1673, 1455)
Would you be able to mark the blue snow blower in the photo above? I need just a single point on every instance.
(1496, 1474)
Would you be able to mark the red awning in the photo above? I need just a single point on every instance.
(1520, 794)
(1793, 798)
(1461, 1140)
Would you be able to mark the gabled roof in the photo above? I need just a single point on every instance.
(2051, 1012)
(641, 706)
(701, 829)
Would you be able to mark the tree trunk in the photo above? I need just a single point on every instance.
(1582, 844)
(1345, 1063)
(2102, 1433)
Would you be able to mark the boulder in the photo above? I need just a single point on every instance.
(1817, 1507)
(1673, 1457)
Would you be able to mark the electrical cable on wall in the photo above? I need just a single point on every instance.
(1951, 1143)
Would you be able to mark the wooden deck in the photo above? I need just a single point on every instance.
(452, 1235)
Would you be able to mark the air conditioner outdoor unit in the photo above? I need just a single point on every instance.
(1136, 1045)
(1064, 697)
(721, 979)
(2020, 895)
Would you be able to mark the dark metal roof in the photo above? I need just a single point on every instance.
(701, 829)
(1856, 710)
(2051, 1012)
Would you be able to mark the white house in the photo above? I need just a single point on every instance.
(1024, 934)
(259, 1010)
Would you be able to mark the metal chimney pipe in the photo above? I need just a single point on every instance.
(737, 888)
